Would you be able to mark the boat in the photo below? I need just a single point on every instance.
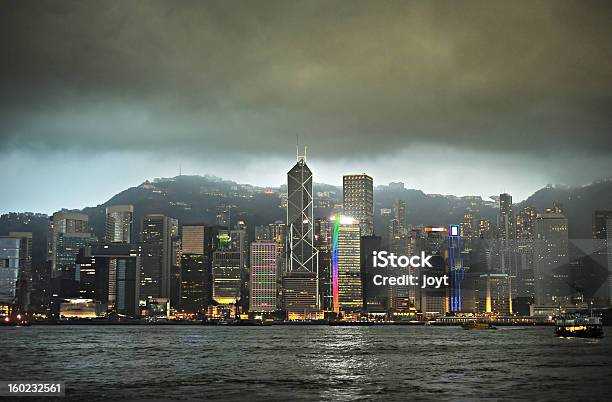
(579, 327)
(477, 325)
(14, 321)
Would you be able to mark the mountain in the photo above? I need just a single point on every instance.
(578, 204)
(194, 199)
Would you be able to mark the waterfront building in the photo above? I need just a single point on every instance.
(346, 260)
(195, 268)
(551, 257)
(157, 233)
(300, 282)
(263, 271)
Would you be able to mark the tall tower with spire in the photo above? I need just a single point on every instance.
(300, 217)
(300, 283)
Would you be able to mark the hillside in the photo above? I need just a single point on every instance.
(193, 199)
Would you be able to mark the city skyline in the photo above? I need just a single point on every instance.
(306, 200)
(524, 260)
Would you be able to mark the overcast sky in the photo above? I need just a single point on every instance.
(448, 97)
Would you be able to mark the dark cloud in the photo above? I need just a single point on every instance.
(350, 78)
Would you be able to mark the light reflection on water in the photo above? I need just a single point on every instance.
(307, 362)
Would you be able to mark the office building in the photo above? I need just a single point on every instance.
(358, 201)
(25, 283)
(196, 268)
(375, 297)
(226, 278)
(494, 294)
(551, 257)
(602, 238)
(68, 231)
(263, 283)
(157, 233)
(323, 239)
(300, 282)
(119, 220)
(9, 269)
(346, 262)
(109, 273)
(239, 242)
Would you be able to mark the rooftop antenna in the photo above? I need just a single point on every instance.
(297, 150)
(180, 170)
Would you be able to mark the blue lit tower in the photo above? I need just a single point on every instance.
(457, 272)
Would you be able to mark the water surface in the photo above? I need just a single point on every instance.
(308, 362)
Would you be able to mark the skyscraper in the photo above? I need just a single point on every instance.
(358, 201)
(9, 269)
(25, 279)
(195, 268)
(323, 239)
(602, 237)
(156, 236)
(507, 233)
(227, 279)
(505, 218)
(300, 283)
(375, 298)
(71, 229)
(110, 274)
(300, 218)
(551, 256)
(346, 260)
(119, 223)
(525, 223)
(525, 260)
(263, 277)
(239, 241)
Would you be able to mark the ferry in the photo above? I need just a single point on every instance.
(580, 327)
(477, 325)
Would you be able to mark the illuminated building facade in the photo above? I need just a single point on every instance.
(263, 285)
(226, 277)
(494, 294)
(457, 272)
(346, 282)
